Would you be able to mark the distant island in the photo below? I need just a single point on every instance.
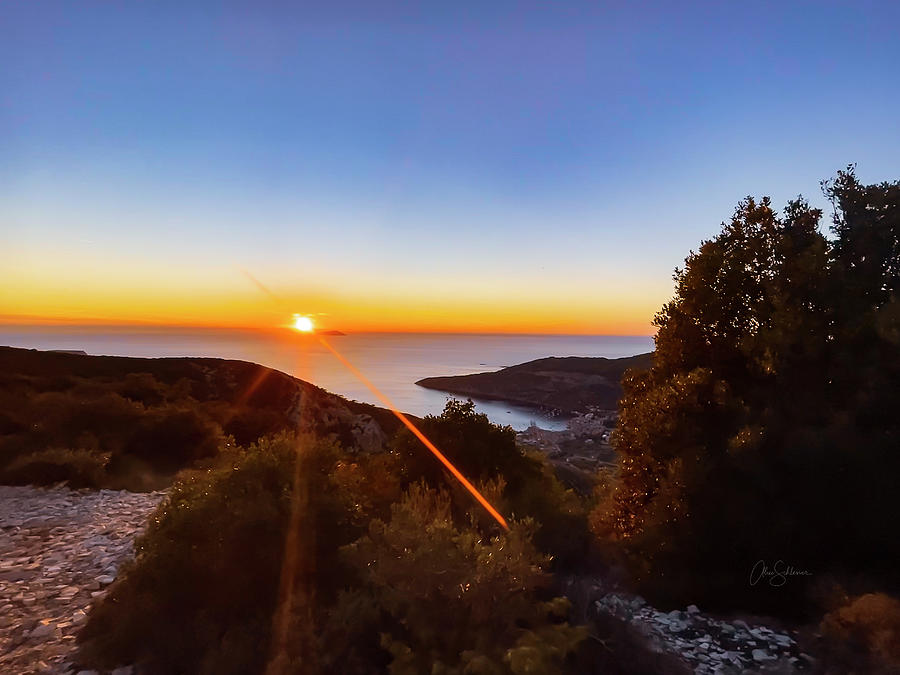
(330, 332)
(569, 385)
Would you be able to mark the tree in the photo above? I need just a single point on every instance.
(763, 424)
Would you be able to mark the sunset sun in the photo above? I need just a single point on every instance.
(303, 323)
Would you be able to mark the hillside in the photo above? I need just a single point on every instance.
(567, 384)
(132, 422)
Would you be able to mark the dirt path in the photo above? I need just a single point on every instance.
(59, 549)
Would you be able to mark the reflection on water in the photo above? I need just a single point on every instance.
(393, 361)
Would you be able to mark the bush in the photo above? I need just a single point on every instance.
(76, 468)
(485, 452)
(310, 566)
(480, 449)
(438, 598)
(201, 593)
(865, 632)
(171, 438)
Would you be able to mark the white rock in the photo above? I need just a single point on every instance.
(760, 655)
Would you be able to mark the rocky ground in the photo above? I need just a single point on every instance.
(59, 550)
(706, 644)
(709, 645)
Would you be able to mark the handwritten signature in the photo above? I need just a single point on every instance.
(776, 575)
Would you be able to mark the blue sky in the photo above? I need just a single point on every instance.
(373, 152)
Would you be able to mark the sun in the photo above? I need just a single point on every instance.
(303, 323)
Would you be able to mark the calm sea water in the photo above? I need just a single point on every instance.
(393, 361)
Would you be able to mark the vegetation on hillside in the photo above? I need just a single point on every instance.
(764, 433)
(99, 421)
(767, 427)
(390, 571)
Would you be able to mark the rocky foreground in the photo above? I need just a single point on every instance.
(705, 644)
(59, 550)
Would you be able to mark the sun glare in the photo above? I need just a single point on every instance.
(303, 323)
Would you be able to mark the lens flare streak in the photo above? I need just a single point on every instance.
(415, 430)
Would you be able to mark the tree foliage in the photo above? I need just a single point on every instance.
(371, 569)
(484, 451)
(447, 599)
(768, 420)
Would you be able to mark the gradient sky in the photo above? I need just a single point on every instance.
(488, 166)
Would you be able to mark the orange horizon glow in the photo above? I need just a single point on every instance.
(266, 323)
(113, 294)
(276, 328)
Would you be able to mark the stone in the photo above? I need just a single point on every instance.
(55, 543)
(761, 655)
(42, 631)
(693, 609)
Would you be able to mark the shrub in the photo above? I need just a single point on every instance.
(867, 628)
(171, 438)
(77, 468)
(484, 451)
(310, 567)
(201, 593)
(435, 597)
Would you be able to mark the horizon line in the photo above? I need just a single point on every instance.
(41, 322)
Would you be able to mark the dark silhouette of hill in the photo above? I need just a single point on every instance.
(569, 384)
(102, 420)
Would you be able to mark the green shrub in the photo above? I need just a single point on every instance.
(436, 597)
(76, 468)
(484, 451)
(312, 564)
(200, 595)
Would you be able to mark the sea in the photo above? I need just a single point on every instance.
(392, 361)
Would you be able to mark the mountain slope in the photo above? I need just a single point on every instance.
(568, 384)
(106, 420)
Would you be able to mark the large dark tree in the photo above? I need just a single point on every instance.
(767, 428)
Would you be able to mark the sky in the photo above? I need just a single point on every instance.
(459, 166)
